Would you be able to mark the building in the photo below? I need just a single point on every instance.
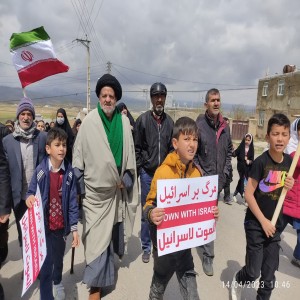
(277, 94)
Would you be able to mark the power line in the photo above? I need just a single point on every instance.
(181, 80)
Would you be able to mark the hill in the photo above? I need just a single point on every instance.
(53, 98)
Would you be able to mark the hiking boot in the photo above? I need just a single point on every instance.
(207, 265)
(146, 257)
(236, 289)
(296, 262)
(59, 292)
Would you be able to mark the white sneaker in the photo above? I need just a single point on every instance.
(236, 289)
(234, 199)
(59, 292)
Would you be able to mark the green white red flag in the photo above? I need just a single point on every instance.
(33, 56)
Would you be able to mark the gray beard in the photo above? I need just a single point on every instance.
(159, 110)
(108, 111)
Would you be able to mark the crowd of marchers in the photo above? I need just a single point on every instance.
(90, 172)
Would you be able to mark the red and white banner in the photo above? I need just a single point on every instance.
(189, 221)
(34, 242)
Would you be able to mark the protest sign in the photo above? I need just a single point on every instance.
(34, 242)
(189, 220)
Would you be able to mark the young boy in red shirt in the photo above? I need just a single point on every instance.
(56, 180)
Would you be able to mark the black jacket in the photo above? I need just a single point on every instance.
(152, 141)
(5, 188)
(214, 148)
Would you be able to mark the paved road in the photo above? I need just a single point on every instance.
(134, 277)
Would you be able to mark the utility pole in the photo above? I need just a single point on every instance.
(108, 67)
(86, 43)
(145, 91)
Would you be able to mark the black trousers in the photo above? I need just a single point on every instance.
(19, 211)
(165, 266)
(262, 259)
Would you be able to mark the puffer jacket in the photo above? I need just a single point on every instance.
(214, 148)
(152, 141)
(171, 168)
(291, 204)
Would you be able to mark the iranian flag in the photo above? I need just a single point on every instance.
(34, 57)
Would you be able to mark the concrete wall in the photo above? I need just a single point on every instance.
(288, 103)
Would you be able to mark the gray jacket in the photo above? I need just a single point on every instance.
(12, 150)
(214, 148)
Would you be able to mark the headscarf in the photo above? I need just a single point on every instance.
(121, 106)
(241, 149)
(74, 128)
(294, 139)
(67, 128)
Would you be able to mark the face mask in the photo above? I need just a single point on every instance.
(60, 121)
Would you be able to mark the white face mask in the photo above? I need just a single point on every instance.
(60, 120)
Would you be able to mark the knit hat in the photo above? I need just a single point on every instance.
(111, 81)
(25, 104)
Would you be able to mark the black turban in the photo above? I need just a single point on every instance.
(111, 81)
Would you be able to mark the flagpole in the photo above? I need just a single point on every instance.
(24, 92)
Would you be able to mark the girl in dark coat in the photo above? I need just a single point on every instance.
(245, 156)
(63, 123)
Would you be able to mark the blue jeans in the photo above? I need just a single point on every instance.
(52, 268)
(145, 180)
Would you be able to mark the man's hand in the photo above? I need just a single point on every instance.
(76, 240)
(157, 215)
(30, 201)
(4, 218)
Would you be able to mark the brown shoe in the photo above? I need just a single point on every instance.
(94, 293)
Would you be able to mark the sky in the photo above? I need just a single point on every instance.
(191, 46)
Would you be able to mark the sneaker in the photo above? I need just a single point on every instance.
(236, 289)
(207, 265)
(59, 292)
(146, 257)
(229, 202)
(296, 262)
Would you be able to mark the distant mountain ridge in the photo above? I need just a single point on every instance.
(13, 95)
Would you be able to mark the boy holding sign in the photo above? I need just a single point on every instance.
(267, 177)
(178, 164)
(56, 180)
